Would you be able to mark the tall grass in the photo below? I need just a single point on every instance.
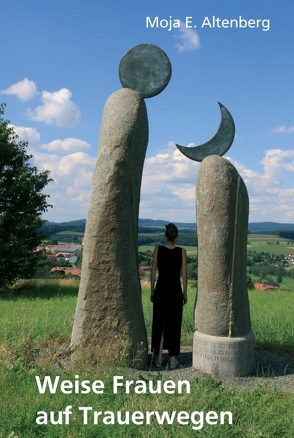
(272, 318)
(43, 311)
(262, 412)
(35, 325)
(36, 316)
(272, 315)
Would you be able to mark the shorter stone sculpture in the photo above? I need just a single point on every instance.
(223, 340)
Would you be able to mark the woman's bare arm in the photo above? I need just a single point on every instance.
(153, 273)
(184, 275)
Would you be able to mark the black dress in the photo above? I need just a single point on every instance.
(168, 301)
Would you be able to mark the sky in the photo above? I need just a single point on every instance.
(60, 64)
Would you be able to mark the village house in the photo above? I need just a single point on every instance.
(70, 249)
(75, 272)
(263, 287)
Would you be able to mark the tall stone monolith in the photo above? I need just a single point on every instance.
(109, 318)
(223, 340)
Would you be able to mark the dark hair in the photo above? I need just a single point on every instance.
(171, 232)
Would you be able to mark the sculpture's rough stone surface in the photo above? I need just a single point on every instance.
(222, 225)
(109, 312)
(222, 307)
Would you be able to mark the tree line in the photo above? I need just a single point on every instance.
(287, 234)
(184, 239)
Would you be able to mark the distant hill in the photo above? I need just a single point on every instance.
(259, 227)
(253, 227)
(76, 223)
(161, 223)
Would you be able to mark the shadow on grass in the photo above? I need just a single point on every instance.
(266, 364)
(279, 347)
(269, 365)
(43, 289)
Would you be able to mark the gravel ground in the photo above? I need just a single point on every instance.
(269, 370)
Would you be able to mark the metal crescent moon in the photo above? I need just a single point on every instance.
(217, 145)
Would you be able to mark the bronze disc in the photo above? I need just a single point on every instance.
(145, 68)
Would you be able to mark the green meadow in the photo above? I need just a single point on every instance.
(286, 285)
(70, 233)
(191, 250)
(273, 244)
(35, 327)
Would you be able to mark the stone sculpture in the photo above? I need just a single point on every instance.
(223, 341)
(109, 316)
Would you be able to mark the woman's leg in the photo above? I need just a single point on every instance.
(159, 357)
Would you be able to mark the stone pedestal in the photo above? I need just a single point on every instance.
(223, 356)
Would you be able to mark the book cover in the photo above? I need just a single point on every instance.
(60, 64)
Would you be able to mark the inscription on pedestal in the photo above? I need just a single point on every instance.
(218, 351)
(223, 356)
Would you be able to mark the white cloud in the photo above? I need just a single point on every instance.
(169, 183)
(66, 145)
(57, 108)
(70, 189)
(276, 164)
(72, 174)
(67, 168)
(270, 197)
(188, 39)
(283, 130)
(24, 89)
(31, 135)
(168, 186)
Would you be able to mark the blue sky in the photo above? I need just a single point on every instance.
(60, 64)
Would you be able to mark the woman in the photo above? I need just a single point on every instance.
(167, 297)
